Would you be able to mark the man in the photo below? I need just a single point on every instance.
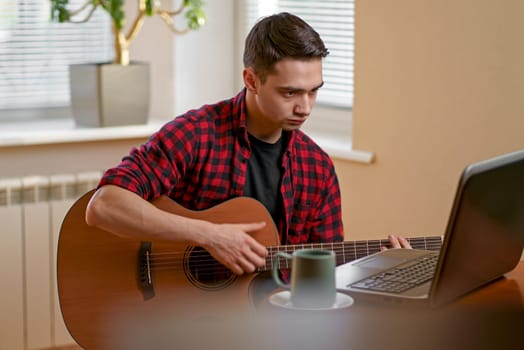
(250, 145)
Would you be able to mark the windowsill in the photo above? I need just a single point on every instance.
(40, 132)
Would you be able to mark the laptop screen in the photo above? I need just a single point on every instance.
(485, 234)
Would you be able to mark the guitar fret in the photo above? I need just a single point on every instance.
(361, 246)
(374, 246)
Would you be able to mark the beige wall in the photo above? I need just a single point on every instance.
(438, 84)
(63, 158)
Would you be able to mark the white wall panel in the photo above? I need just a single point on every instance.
(37, 244)
(11, 273)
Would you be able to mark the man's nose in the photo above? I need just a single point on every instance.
(304, 105)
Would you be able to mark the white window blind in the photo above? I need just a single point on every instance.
(35, 53)
(334, 21)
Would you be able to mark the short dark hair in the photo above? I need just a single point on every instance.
(280, 36)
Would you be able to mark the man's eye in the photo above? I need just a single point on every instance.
(289, 93)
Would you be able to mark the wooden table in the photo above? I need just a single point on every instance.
(508, 292)
(491, 317)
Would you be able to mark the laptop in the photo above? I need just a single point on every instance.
(484, 239)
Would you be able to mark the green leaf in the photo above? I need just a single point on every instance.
(58, 11)
(194, 3)
(195, 16)
(116, 11)
(149, 7)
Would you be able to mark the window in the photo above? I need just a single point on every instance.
(35, 55)
(333, 20)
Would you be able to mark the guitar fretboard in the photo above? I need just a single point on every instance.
(348, 250)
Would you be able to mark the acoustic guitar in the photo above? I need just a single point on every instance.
(111, 287)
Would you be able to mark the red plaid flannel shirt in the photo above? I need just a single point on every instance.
(199, 159)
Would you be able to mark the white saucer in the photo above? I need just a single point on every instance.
(283, 299)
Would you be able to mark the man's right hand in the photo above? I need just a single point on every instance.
(232, 246)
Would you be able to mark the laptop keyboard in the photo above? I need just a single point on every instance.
(399, 279)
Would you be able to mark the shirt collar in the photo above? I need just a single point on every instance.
(240, 114)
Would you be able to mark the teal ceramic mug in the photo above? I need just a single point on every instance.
(312, 283)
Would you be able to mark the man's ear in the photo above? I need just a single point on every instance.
(250, 79)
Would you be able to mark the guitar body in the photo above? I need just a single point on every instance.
(110, 287)
(118, 293)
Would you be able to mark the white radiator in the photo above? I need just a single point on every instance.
(31, 212)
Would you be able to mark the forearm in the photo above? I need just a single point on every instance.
(126, 214)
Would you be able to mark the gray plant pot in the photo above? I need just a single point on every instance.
(104, 94)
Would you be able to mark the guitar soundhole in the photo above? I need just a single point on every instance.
(204, 271)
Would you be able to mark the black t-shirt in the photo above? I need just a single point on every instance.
(264, 173)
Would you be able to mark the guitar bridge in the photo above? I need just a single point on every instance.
(145, 280)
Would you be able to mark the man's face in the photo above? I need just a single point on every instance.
(288, 95)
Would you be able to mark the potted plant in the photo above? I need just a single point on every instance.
(117, 93)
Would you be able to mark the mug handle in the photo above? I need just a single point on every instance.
(276, 275)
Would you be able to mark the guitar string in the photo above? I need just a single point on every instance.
(372, 247)
(211, 267)
(277, 249)
(203, 257)
(435, 242)
(209, 263)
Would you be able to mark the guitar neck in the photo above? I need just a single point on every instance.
(348, 250)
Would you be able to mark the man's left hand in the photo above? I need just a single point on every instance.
(397, 242)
